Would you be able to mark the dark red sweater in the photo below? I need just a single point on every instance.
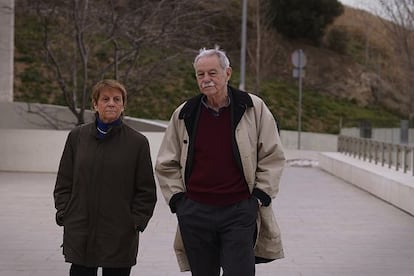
(215, 178)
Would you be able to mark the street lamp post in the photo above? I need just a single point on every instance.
(243, 45)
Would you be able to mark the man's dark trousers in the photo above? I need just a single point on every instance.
(216, 236)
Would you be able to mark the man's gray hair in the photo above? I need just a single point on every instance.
(223, 59)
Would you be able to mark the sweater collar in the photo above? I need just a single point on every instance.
(102, 129)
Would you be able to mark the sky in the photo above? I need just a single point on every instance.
(372, 6)
(368, 5)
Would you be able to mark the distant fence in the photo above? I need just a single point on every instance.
(396, 156)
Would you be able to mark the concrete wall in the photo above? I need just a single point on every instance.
(396, 188)
(39, 150)
(28, 150)
(6, 50)
(21, 115)
(309, 141)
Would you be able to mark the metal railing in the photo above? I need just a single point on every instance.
(396, 156)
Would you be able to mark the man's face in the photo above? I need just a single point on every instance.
(211, 78)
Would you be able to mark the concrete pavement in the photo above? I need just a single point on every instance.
(329, 227)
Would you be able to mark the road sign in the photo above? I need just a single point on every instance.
(299, 59)
(297, 71)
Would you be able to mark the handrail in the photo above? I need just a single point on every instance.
(397, 156)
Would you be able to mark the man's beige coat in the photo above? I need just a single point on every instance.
(262, 159)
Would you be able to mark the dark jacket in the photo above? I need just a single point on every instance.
(104, 195)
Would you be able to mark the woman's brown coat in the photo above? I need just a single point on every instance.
(104, 195)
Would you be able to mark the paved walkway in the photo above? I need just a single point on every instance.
(329, 227)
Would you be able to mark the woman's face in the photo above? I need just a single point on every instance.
(109, 105)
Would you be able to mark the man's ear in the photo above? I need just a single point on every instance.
(228, 73)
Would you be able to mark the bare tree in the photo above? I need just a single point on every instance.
(258, 44)
(265, 45)
(398, 19)
(254, 52)
(130, 40)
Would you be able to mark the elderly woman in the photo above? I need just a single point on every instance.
(105, 189)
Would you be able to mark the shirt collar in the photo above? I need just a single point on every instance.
(209, 108)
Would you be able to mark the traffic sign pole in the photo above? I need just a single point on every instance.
(299, 61)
